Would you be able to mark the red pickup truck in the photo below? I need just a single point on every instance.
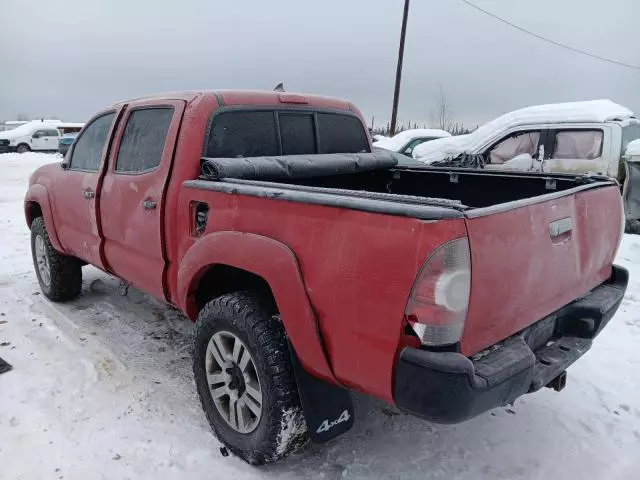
(313, 266)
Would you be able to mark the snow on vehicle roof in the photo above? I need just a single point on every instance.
(596, 111)
(401, 139)
(633, 148)
(29, 127)
(440, 148)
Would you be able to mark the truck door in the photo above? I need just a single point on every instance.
(75, 195)
(132, 195)
(580, 149)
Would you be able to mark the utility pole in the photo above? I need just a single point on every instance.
(396, 91)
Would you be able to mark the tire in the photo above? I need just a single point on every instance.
(23, 148)
(59, 276)
(632, 226)
(280, 427)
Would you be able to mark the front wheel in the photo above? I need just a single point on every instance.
(23, 148)
(59, 276)
(245, 379)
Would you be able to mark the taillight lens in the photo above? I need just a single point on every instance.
(437, 306)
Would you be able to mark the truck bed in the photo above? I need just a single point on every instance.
(537, 243)
(460, 189)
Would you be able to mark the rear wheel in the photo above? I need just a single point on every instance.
(632, 226)
(245, 379)
(59, 276)
(23, 148)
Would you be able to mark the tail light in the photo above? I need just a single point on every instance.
(437, 306)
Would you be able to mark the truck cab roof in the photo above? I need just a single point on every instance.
(249, 97)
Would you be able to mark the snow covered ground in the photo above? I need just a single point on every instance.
(102, 389)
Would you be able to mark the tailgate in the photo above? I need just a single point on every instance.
(531, 257)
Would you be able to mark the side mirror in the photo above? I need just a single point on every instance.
(35, 135)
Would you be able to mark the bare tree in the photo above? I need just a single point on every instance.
(22, 117)
(441, 114)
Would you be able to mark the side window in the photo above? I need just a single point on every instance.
(87, 150)
(519, 143)
(577, 144)
(243, 134)
(297, 133)
(143, 140)
(629, 133)
(408, 150)
(341, 134)
(38, 134)
(50, 133)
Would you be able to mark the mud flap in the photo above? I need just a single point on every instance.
(328, 409)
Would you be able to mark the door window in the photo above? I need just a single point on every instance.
(87, 150)
(143, 140)
(408, 150)
(45, 133)
(519, 143)
(577, 144)
(629, 133)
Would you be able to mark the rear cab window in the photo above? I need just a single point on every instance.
(257, 133)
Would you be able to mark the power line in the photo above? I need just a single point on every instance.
(548, 40)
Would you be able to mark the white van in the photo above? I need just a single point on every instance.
(572, 138)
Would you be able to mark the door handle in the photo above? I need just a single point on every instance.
(560, 229)
(88, 194)
(149, 204)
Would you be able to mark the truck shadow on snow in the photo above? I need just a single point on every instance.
(146, 335)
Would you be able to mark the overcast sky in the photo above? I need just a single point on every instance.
(69, 58)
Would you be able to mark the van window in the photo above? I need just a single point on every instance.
(519, 143)
(45, 133)
(577, 144)
(629, 133)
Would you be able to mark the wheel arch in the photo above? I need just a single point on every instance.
(36, 204)
(223, 261)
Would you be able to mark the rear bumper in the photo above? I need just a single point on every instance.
(447, 387)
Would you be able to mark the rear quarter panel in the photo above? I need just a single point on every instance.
(357, 267)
